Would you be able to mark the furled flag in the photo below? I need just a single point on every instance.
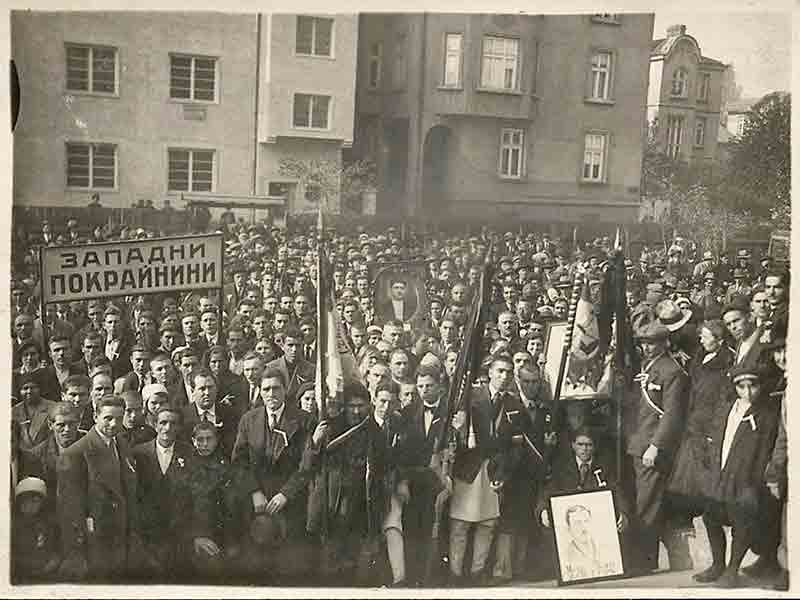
(586, 335)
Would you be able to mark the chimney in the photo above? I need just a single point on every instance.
(676, 30)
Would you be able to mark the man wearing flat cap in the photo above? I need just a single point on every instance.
(743, 437)
(653, 442)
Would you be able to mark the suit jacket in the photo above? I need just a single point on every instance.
(133, 383)
(235, 385)
(164, 498)
(121, 363)
(661, 420)
(79, 367)
(98, 514)
(494, 436)
(41, 461)
(566, 478)
(415, 448)
(51, 388)
(273, 459)
(742, 479)
(302, 372)
(227, 422)
(384, 311)
(138, 435)
(33, 422)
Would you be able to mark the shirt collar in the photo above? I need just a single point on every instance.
(161, 450)
(106, 440)
(579, 462)
(278, 413)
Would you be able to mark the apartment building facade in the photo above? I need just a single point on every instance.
(685, 98)
(505, 116)
(165, 106)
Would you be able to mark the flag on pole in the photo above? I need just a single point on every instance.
(336, 364)
(586, 337)
(618, 241)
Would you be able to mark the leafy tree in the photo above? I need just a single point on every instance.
(759, 176)
(326, 181)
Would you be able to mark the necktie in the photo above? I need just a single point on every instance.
(272, 421)
(430, 408)
(584, 471)
(253, 395)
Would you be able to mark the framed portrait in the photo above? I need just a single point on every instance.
(587, 543)
(400, 293)
(587, 375)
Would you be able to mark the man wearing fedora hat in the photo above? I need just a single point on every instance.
(652, 444)
(743, 437)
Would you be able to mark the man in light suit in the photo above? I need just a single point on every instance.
(295, 369)
(97, 489)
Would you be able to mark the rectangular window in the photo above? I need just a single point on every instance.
(499, 63)
(740, 125)
(594, 157)
(704, 87)
(512, 153)
(606, 18)
(375, 65)
(310, 111)
(452, 60)
(91, 166)
(190, 170)
(399, 63)
(92, 69)
(700, 131)
(674, 136)
(314, 36)
(601, 76)
(193, 78)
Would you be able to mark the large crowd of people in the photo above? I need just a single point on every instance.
(179, 437)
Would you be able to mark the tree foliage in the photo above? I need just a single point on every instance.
(326, 181)
(759, 176)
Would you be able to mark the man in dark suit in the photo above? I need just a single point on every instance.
(741, 448)
(399, 306)
(584, 469)
(116, 342)
(137, 378)
(31, 413)
(40, 461)
(232, 389)
(134, 429)
(269, 447)
(736, 316)
(97, 490)
(484, 464)
(653, 443)
(164, 498)
(205, 407)
(53, 377)
(296, 370)
(91, 348)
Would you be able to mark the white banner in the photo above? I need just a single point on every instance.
(130, 268)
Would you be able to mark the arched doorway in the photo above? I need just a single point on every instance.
(434, 171)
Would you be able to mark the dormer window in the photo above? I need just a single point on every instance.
(680, 83)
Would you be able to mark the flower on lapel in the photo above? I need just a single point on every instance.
(181, 462)
(752, 420)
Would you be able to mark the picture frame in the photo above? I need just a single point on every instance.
(416, 304)
(586, 540)
(583, 380)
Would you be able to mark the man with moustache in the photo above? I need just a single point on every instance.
(163, 495)
(205, 407)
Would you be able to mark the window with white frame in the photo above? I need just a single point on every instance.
(191, 170)
(512, 153)
(594, 157)
(92, 69)
(399, 66)
(704, 87)
(375, 65)
(674, 135)
(314, 36)
(311, 111)
(601, 75)
(452, 60)
(700, 131)
(499, 63)
(91, 165)
(740, 120)
(680, 83)
(193, 78)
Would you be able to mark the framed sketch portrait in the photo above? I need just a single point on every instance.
(587, 375)
(400, 294)
(587, 543)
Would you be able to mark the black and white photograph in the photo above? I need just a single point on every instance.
(427, 300)
(586, 538)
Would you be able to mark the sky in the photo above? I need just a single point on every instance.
(759, 44)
